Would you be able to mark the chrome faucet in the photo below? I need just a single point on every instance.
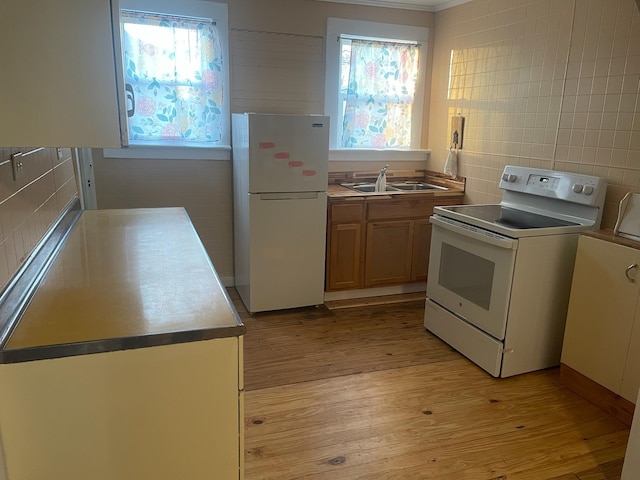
(381, 182)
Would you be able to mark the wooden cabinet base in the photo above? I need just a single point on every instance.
(376, 242)
(595, 393)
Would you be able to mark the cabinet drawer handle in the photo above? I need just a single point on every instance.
(628, 269)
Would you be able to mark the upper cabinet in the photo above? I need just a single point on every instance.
(59, 77)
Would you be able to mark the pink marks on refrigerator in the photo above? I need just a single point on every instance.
(286, 156)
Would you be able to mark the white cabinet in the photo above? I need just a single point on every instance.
(631, 467)
(162, 413)
(602, 336)
(58, 74)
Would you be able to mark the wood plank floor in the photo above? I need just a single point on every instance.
(367, 393)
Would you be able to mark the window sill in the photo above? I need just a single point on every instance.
(170, 152)
(369, 154)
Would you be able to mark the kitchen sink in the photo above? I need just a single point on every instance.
(367, 187)
(416, 186)
(394, 187)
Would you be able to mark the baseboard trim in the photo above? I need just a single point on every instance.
(375, 292)
(601, 397)
(381, 300)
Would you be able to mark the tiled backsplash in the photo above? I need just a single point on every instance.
(541, 83)
(30, 204)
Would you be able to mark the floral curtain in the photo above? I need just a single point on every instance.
(379, 94)
(173, 66)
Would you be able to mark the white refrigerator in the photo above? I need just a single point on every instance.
(280, 165)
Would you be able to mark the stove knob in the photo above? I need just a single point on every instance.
(512, 177)
(505, 177)
(587, 190)
(577, 188)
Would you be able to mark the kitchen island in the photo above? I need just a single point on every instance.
(127, 361)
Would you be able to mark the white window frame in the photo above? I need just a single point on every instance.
(189, 8)
(384, 31)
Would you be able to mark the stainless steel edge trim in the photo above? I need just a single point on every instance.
(16, 296)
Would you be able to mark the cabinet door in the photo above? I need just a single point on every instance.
(388, 252)
(344, 257)
(172, 411)
(421, 247)
(344, 245)
(631, 375)
(601, 312)
(59, 78)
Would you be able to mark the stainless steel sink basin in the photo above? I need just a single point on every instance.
(367, 187)
(416, 186)
(393, 187)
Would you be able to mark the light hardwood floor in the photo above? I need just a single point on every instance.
(367, 393)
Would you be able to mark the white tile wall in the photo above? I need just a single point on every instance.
(543, 83)
(30, 205)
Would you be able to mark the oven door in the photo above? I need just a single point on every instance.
(470, 273)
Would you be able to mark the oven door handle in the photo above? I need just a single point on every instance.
(474, 232)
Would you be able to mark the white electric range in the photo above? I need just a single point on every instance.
(500, 275)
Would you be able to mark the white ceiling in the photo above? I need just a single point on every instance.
(426, 5)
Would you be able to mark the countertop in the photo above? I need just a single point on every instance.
(455, 187)
(124, 279)
(608, 235)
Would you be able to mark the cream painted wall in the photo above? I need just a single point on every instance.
(204, 188)
(542, 83)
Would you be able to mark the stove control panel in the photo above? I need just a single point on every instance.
(567, 186)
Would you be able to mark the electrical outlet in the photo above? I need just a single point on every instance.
(16, 165)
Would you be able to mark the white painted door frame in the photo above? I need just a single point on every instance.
(86, 180)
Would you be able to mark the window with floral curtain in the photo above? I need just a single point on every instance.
(173, 70)
(378, 83)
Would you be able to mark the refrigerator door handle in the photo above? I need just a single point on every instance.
(289, 196)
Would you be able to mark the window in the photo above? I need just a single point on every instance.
(174, 59)
(375, 84)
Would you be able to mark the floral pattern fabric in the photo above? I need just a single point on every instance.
(174, 67)
(379, 94)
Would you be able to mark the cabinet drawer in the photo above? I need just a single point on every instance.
(399, 209)
(347, 212)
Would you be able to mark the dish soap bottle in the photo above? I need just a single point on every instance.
(381, 182)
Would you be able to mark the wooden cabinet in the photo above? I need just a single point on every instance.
(388, 257)
(422, 242)
(345, 244)
(602, 335)
(378, 241)
(60, 73)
